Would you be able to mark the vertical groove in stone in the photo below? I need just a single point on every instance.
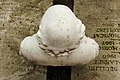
(60, 72)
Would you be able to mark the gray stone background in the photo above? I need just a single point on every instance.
(20, 18)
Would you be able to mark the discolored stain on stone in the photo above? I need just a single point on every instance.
(106, 18)
(68, 36)
(77, 74)
(85, 41)
(20, 22)
(67, 29)
(8, 45)
(32, 21)
(118, 24)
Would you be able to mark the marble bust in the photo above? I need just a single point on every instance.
(60, 40)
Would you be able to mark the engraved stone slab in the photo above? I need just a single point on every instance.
(101, 18)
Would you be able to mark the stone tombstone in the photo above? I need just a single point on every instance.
(102, 21)
(20, 18)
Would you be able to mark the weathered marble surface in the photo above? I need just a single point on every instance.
(20, 18)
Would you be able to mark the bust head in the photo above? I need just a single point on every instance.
(60, 28)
